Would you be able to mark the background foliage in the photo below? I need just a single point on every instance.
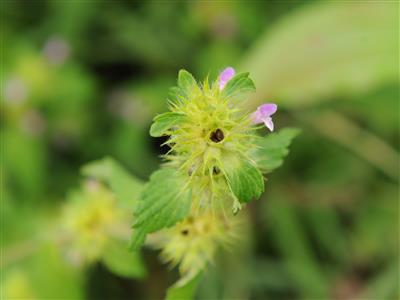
(82, 80)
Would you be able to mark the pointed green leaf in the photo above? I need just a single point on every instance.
(163, 202)
(183, 292)
(239, 84)
(164, 122)
(273, 148)
(244, 179)
(119, 260)
(126, 187)
(186, 80)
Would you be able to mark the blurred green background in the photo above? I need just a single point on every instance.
(83, 79)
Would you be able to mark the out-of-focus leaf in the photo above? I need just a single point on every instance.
(164, 122)
(25, 162)
(217, 55)
(376, 109)
(164, 201)
(273, 148)
(268, 273)
(244, 179)
(292, 243)
(44, 275)
(375, 224)
(132, 146)
(126, 187)
(70, 18)
(385, 285)
(68, 109)
(183, 292)
(122, 262)
(325, 49)
(349, 134)
(237, 262)
(326, 226)
(157, 36)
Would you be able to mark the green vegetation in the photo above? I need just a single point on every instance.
(82, 81)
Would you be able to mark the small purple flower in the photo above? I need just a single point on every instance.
(263, 115)
(225, 76)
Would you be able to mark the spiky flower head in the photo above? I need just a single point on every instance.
(89, 220)
(210, 135)
(193, 242)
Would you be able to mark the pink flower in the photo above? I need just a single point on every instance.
(225, 76)
(263, 115)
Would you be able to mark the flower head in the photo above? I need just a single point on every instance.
(225, 76)
(88, 219)
(263, 115)
(192, 243)
(210, 137)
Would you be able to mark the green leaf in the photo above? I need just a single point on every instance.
(119, 260)
(244, 179)
(126, 187)
(309, 57)
(163, 202)
(186, 80)
(164, 122)
(175, 94)
(183, 292)
(239, 84)
(273, 148)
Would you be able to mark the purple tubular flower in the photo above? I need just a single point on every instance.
(263, 115)
(225, 76)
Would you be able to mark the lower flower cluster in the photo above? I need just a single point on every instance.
(90, 220)
(192, 243)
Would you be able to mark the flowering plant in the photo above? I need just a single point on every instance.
(190, 207)
(215, 167)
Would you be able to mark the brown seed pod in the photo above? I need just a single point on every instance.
(217, 135)
(216, 170)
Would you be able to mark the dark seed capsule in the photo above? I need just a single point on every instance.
(216, 170)
(217, 136)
